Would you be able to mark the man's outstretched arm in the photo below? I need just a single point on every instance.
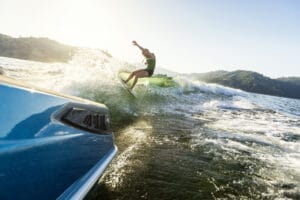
(136, 44)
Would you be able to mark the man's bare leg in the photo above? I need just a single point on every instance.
(139, 74)
(130, 77)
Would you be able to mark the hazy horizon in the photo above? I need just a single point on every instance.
(186, 36)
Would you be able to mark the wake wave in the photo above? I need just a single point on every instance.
(91, 68)
(92, 74)
(193, 85)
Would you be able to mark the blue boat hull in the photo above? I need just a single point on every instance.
(43, 153)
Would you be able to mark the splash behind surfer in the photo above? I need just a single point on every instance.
(150, 62)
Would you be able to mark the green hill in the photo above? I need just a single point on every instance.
(293, 80)
(38, 49)
(253, 82)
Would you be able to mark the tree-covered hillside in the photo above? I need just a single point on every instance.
(294, 80)
(38, 49)
(254, 82)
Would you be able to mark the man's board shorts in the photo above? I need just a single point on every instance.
(150, 65)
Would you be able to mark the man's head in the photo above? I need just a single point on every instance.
(146, 52)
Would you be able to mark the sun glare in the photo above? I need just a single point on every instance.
(92, 24)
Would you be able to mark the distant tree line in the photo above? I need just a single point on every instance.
(38, 49)
(254, 82)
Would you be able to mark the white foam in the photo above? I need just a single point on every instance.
(191, 85)
(88, 68)
(236, 103)
(135, 139)
(266, 131)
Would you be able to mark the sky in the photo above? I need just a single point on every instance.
(185, 35)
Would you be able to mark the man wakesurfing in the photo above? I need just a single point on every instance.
(141, 73)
